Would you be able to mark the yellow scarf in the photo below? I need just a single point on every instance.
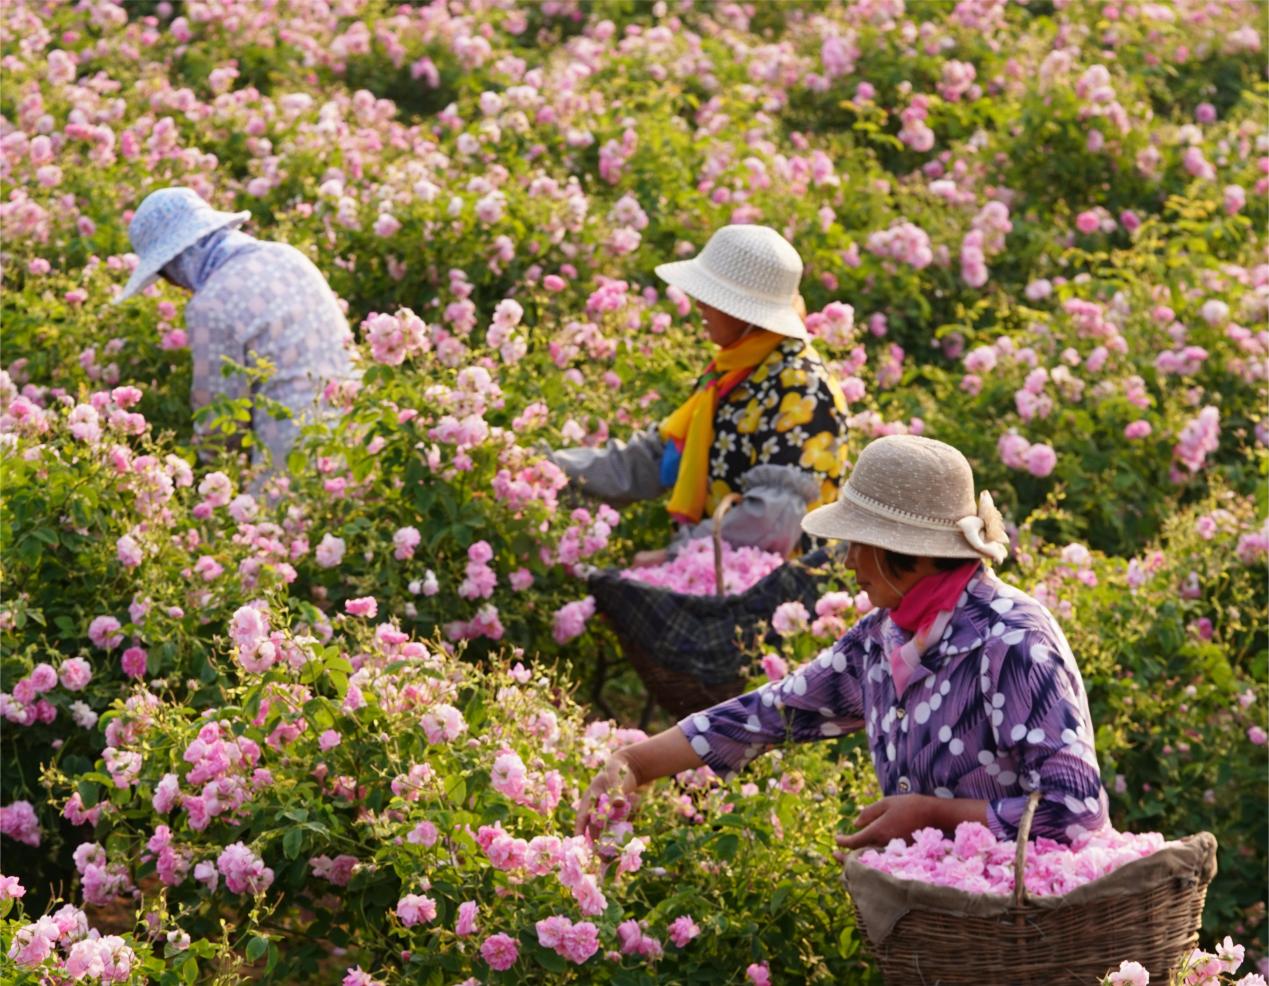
(691, 427)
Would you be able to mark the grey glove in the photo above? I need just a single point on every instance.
(768, 517)
(620, 473)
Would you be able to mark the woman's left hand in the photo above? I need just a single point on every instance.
(643, 559)
(899, 815)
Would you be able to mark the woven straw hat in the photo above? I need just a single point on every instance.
(165, 224)
(749, 272)
(915, 496)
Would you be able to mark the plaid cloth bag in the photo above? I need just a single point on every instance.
(687, 649)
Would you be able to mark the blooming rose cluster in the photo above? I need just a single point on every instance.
(571, 618)
(1016, 452)
(1199, 968)
(575, 942)
(26, 705)
(18, 822)
(395, 338)
(540, 790)
(62, 943)
(587, 535)
(223, 770)
(101, 880)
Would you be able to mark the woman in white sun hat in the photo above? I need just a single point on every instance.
(966, 686)
(765, 418)
(249, 297)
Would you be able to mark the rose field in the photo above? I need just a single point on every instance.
(330, 724)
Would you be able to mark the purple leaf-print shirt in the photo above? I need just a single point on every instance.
(996, 709)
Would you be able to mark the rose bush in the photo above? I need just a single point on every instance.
(1033, 230)
(377, 795)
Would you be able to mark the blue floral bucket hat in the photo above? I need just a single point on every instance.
(167, 223)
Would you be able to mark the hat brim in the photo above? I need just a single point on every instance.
(147, 271)
(842, 520)
(693, 280)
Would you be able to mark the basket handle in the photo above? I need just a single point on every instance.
(720, 511)
(1020, 857)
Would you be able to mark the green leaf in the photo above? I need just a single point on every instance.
(291, 842)
(550, 960)
(727, 845)
(256, 948)
(89, 792)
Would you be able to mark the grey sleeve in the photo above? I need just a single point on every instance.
(769, 516)
(620, 472)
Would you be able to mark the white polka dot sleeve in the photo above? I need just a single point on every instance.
(820, 700)
(1043, 730)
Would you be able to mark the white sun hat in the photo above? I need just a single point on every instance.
(164, 226)
(749, 272)
(915, 496)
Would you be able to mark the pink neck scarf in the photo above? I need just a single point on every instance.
(925, 611)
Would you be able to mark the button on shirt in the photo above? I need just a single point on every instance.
(996, 709)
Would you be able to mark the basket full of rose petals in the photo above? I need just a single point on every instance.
(975, 910)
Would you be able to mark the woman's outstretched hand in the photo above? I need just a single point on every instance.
(899, 815)
(610, 797)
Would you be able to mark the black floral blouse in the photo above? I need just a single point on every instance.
(788, 412)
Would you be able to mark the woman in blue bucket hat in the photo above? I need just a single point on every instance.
(249, 297)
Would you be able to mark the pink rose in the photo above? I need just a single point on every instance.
(133, 662)
(365, 606)
(466, 923)
(1040, 460)
(500, 951)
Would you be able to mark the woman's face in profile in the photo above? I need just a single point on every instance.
(723, 329)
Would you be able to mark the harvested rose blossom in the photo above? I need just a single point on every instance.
(976, 862)
(691, 571)
(1129, 974)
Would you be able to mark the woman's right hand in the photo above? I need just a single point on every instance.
(610, 797)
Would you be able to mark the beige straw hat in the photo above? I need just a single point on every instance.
(916, 496)
(749, 272)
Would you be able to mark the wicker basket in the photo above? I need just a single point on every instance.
(1148, 911)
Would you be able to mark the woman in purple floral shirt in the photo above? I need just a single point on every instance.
(966, 687)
